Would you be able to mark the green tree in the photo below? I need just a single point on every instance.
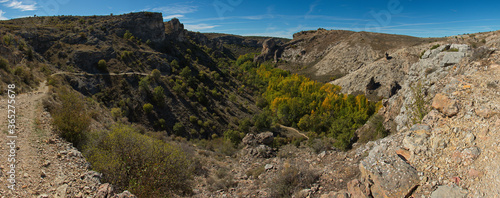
(159, 95)
(156, 74)
(148, 108)
(101, 65)
(128, 35)
(174, 64)
(179, 129)
(186, 73)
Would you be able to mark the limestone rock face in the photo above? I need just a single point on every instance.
(143, 25)
(176, 29)
(270, 51)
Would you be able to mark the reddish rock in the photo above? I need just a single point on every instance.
(354, 188)
(445, 105)
(405, 154)
(388, 174)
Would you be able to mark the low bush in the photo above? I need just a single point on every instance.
(145, 166)
(148, 108)
(435, 46)
(71, 117)
(4, 64)
(292, 179)
(101, 65)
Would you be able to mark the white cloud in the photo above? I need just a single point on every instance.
(1, 15)
(19, 5)
(177, 9)
(173, 16)
(198, 27)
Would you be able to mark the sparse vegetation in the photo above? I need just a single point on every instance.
(435, 46)
(71, 117)
(291, 179)
(420, 104)
(147, 167)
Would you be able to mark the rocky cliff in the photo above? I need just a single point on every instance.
(452, 152)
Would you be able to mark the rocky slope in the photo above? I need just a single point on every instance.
(452, 153)
(323, 54)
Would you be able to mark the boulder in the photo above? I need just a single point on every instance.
(449, 191)
(356, 189)
(387, 174)
(416, 141)
(445, 105)
(249, 139)
(451, 58)
(485, 112)
(104, 191)
(265, 138)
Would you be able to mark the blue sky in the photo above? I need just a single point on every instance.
(283, 18)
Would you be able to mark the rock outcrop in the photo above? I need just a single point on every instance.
(271, 50)
(143, 25)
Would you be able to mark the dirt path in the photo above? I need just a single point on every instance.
(45, 165)
(294, 130)
(100, 74)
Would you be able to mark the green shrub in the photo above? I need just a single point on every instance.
(148, 107)
(179, 129)
(244, 125)
(174, 64)
(71, 117)
(116, 112)
(234, 136)
(145, 166)
(101, 65)
(128, 35)
(159, 95)
(186, 73)
(193, 119)
(156, 74)
(419, 107)
(7, 40)
(435, 46)
(4, 64)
